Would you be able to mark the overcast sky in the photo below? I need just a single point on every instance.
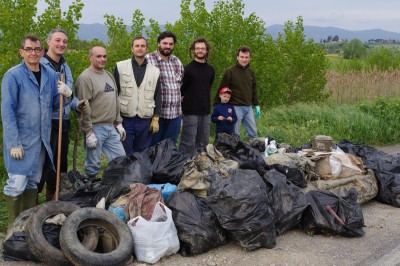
(346, 14)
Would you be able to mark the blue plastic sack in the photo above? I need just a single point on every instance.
(166, 189)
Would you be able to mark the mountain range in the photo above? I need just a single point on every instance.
(99, 31)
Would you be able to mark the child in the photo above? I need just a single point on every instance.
(224, 114)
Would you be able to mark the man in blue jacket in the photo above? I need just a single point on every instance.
(53, 58)
(30, 92)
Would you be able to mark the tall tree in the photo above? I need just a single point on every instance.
(16, 20)
(54, 17)
(118, 46)
(296, 67)
(354, 49)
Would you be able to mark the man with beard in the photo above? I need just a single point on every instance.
(195, 91)
(171, 74)
(139, 97)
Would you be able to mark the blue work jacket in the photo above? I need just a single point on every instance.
(26, 115)
(67, 80)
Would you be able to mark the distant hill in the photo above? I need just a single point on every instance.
(99, 31)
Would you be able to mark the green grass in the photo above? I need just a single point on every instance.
(372, 123)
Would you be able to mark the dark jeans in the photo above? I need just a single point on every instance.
(49, 176)
(138, 135)
(169, 129)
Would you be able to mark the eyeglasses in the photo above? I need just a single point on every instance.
(200, 48)
(35, 50)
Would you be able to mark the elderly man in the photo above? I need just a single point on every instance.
(30, 93)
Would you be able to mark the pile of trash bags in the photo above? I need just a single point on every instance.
(247, 193)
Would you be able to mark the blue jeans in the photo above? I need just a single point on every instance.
(169, 129)
(195, 133)
(108, 142)
(245, 116)
(17, 184)
(138, 135)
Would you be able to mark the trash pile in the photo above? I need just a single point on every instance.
(157, 203)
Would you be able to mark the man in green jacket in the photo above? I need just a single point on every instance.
(240, 79)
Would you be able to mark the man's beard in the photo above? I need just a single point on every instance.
(201, 57)
(167, 53)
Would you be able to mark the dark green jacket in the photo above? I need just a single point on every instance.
(242, 82)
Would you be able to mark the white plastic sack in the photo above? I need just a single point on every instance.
(155, 238)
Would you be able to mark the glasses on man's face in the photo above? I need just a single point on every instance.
(35, 50)
(200, 48)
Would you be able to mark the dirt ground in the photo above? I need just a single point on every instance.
(379, 246)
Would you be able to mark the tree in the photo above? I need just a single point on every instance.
(53, 17)
(335, 38)
(118, 46)
(354, 49)
(383, 58)
(296, 68)
(16, 20)
(225, 27)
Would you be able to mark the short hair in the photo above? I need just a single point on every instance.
(138, 38)
(91, 48)
(166, 34)
(243, 49)
(30, 37)
(199, 40)
(50, 35)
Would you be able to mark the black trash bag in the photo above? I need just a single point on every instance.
(345, 216)
(197, 226)
(15, 248)
(385, 166)
(127, 170)
(293, 174)
(120, 173)
(248, 158)
(166, 162)
(287, 200)
(78, 189)
(241, 205)
(51, 233)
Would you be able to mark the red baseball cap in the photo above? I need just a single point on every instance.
(225, 90)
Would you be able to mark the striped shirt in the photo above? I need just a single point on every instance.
(171, 75)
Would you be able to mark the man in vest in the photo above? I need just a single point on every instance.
(139, 90)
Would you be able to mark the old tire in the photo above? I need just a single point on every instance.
(36, 240)
(119, 232)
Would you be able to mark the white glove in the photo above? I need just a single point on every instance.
(64, 89)
(91, 140)
(17, 153)
(121, 131)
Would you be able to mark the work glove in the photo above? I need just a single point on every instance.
(154, 126)
(17, 153)
(91, 140)
(64, 89)
(121, 132)
(83, 106)
(258, 112)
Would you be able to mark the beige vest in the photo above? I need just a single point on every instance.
(134, 100)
